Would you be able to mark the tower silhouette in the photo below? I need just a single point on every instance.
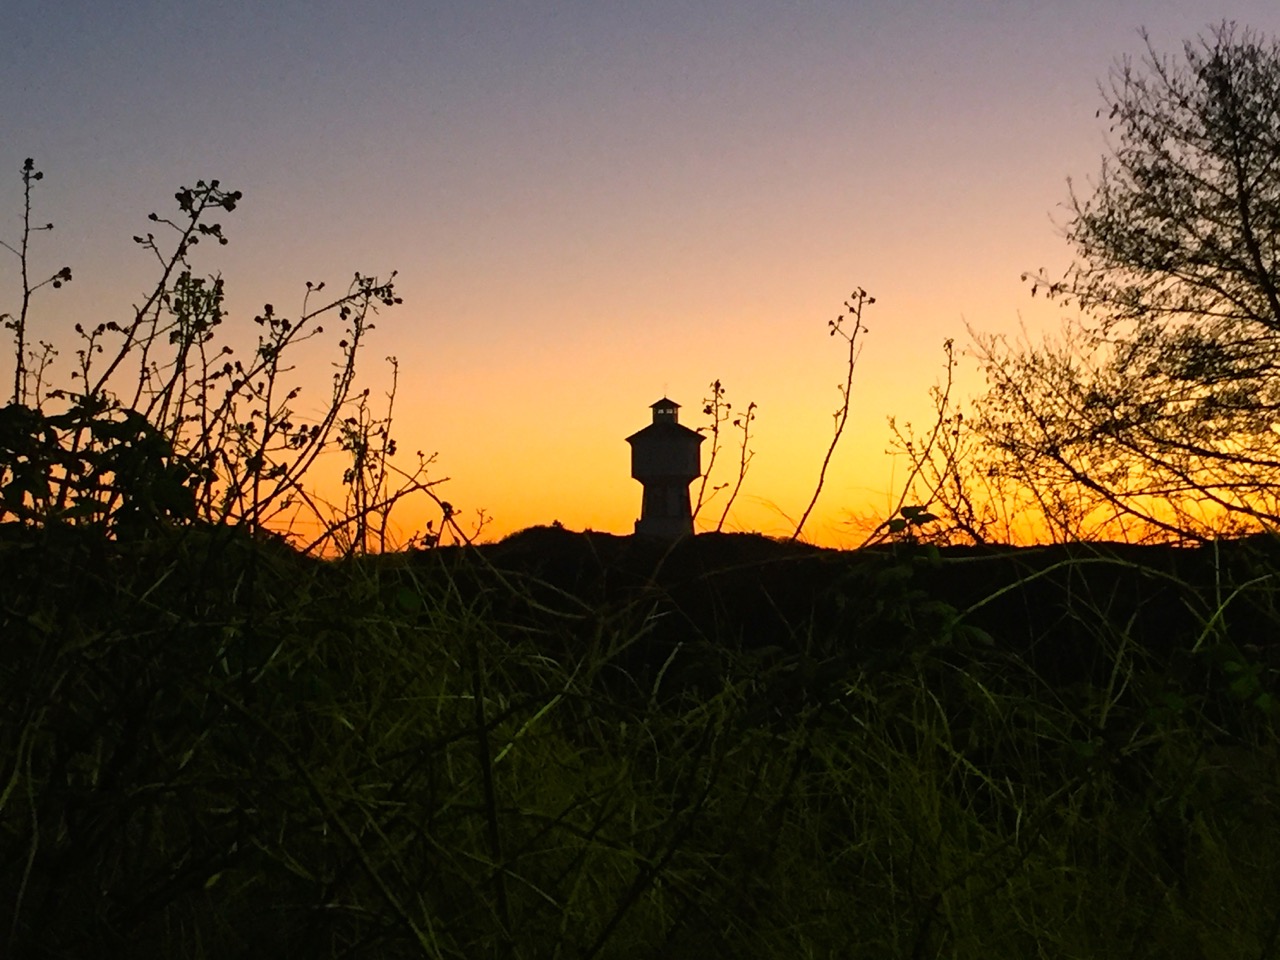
(665, 458)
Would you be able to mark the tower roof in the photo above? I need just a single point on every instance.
(667, 431)
(664, 402)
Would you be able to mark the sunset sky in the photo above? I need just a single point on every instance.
(590, 204)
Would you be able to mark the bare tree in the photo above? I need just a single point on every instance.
(1157, 413)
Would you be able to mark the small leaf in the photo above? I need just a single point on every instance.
(408, 600)
(1084, 748)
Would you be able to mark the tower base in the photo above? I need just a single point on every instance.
(666, 528)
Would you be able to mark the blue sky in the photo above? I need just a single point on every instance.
(591, 204)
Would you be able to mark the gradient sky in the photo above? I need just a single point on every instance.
(590, 204)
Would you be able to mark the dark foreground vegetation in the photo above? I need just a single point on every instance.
(576, 746)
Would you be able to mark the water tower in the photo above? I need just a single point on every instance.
(666, 458)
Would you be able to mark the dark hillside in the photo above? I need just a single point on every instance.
(1061, 608)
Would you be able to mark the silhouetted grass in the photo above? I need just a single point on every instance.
(214, 747)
